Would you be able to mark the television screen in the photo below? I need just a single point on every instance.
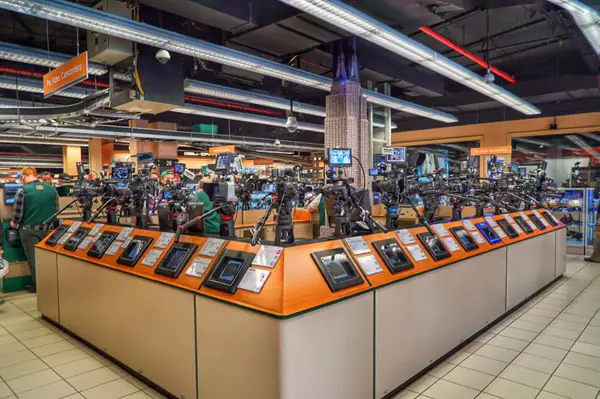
(340, 157)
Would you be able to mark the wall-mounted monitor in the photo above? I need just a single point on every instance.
(464, 238)
(176, 259)
(75, 240)
(56, 235)
(397, 156)
(540, 225)
(393, 256)
(102, 244)
(337, 269)
(339, 157)
(508, 229)
(434, 246)
(488, 233)
(523, 224)
(134, 251)
(229, 270)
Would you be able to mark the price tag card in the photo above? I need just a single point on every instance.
(500, 232)
(84, 244)
(358, 245)
(152, 257)
(553, 217)
(254, 280)
(126, 242)
(164, 240)
(524, 216)
(490, 220)
(369, 265)
(478, 237)
(211, 247)
(509, 218)
(416, 252)
(96, 237)
(451, 244)
(441, 230)
(533, 226)
(267, 256)
(64, 239)
(406, 237)
(542, 219)
(517, 228)
(96, 229)
(126, 232)
(198, 267)
(114, 247)
(74, 227)
(468, 225)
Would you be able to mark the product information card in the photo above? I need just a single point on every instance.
(254, 280)
(416, 252)
(468, 225)
(405, 237)
(74, 227)
(84, 244)
(211, 247)
(198, 267)
(164, 240)
(478, 237)
(126, 232)
(369, 265)
(451, 244)
(152, 257)
(441, 230)
(96, 229)
(267, 256)
(357, 245)
(114, 247)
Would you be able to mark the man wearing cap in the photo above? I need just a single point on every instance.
(36, 202)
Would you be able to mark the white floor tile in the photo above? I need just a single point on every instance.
(458, 357)
(447, 390)
(570, 389)
(21, 369)
(590, 338)
(43, 340)
(546, 351)
(581, 360)
(56, 390)
(77, 367)
(92, 378)
(139, 384)
(586, 349)
(579, 374)
(511, 390)
(536, 319)
(556, 342)
(64, 357)
(508, 343)
(441, 370)
(568, 325)
(497, 353)
(153, 394)
(469, 378)
(561, 332)
(543, 312)
(51, 349)
(5, 391)
(484, 365)
(15, 358)
(536, 363)
(549, 395)
(27, 325)
(518, 334)
(525, 376)
(528, 326)
(574, 318)
(34, 333)
(13, 347)
(485, 337)
(111, 390)
(142, 395)
(34, 380)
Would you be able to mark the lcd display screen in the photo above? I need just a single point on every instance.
(488, 232)
(230, 269)
(508, 229)
(373, 172)
(524, 225)
(337, 269)
(56, 235)
(549, 218)
(340, 157)
(537, 222)
(10, 192)
(465, 239)
(338, 266)
(392, 255)
(179, 168)
(398, 156)
(434, 246)
(102, 244)
(133, 250)
(120, 173)
(175, 258)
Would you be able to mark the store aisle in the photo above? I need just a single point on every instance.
(38, 361)
(548, 349)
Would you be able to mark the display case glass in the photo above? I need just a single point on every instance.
(571, 209)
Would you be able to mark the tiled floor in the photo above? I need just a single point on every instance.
(38, 361)
(548, 349)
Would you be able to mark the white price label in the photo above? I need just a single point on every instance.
(152, 257)
(490, 220)
(468, 225)
(416, 252)
(64, 239)
(524, 216)
(164, 240)
(478, 237)
(441, 230)
(358, 245)
(499, 232)
(127, 242)
(509, 218)
(74, 227)
(96, 229)
(451, 244)
(84, 243)
(517, 228)
(406, 237)
(198, 267)
(369, 265)
(267, 256)
(533, 226)
(211, 247)
(126, 232)
(114, 247)
(541, 218)
(254, 280)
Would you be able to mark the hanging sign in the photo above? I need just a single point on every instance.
(224, 149)
(504, 149)
(68, 74)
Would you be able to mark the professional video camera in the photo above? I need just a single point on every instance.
(179, 205)
(286, 191)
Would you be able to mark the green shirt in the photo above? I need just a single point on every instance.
(212, 223)
(40, 203)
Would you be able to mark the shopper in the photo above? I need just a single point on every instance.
(34, 204)
(47, 177)
(212, 223)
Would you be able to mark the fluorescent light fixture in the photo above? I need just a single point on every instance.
(586, 18)
(360, 24)
(35, 86)
(245, 117)
(114, 25)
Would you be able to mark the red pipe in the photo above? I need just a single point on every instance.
(230, 105)
(22, 72)
(466, 53)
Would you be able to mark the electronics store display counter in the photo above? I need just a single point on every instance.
(258, 322)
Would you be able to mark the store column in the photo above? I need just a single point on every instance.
(101, 153)
(71, 155)
(160, 150)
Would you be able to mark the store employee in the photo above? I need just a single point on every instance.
(34, 204)
(212, 223)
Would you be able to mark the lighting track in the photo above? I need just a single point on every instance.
(113, 25)
(586, 18)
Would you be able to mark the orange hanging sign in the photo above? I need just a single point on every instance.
(224, 149)
(68, 74)
(263, 161)
(505, 149)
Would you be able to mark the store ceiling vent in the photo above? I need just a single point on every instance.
(105, 49)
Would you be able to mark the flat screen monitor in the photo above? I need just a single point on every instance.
(102, 244)
(373, 172)
(549, 218)
(339, 157)
(120, 173)
(508, 229)
(465, 239)
(176, 259)
(56, 235)
(540, 225)
(434, 246)
(145, 158)
(488, 233)
(337, 269)
(393, 256)
(134, 251)
(10, 192)
(179, 168)
(75, 240)
(398, 156)
(523, 224)
(229, 270)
